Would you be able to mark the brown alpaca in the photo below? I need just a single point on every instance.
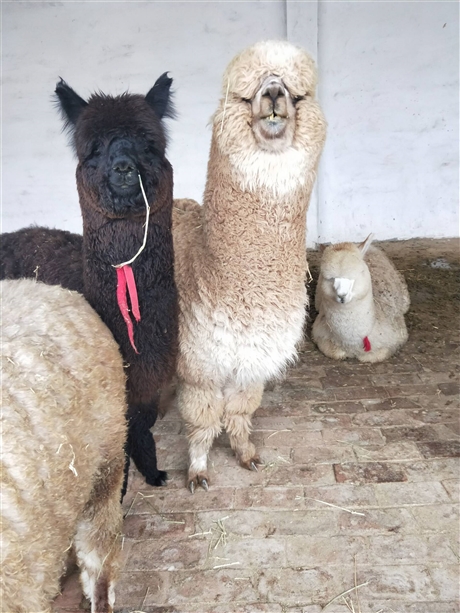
(240, 258)
(63, 432)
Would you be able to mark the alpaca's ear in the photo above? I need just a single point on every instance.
(322, 247)
(364, 246)
(159, 97)
(69, 103)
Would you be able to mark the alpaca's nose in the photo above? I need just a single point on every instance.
(123, 165)
(274, 90)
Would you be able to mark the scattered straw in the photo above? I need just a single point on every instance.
(310, 277)
(199, 534)
(329, 504)
(225, 108)
(225, 565)
(277, 432)
(108, 553)
(355, 587)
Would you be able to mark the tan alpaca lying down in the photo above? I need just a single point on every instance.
(361, 299)
(240, 261)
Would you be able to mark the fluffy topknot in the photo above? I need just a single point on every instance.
(249, 68)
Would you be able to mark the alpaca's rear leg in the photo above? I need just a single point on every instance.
(97, 540)
(239, 407)
(202, 411)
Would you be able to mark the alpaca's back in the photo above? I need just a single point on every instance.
(361, 299)
(388, 285)
(63, 431)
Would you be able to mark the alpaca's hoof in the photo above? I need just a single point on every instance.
(252, 464)
(198, 480)
(158, 480)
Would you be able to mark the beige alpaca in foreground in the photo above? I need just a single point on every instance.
(62, 457)
(240, 259)
(361, 299)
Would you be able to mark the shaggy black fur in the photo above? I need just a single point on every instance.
(115, 138)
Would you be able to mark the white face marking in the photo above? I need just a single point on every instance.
(344, 289)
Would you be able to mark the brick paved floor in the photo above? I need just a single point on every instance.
(360, 484)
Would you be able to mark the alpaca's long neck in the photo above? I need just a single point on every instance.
(249, 226)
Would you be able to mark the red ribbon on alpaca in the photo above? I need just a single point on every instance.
(125, 281)
(367, 344)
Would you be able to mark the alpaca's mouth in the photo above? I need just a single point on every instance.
(273, 115)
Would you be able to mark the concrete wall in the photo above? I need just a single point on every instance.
(389, 89)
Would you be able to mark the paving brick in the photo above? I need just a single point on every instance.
(364, 436)
(300, 475)
(449, 389)
(400, 451)
(323, 550)
(255, 552)
(321, 422)
(323, 454)
(388, 606)
(350, 379)
(210, 587)
(303, 586)
(370, 472)
(166, 501)
(432, 470)
(292, 438)
(358, 393)
(422, 389)
(392, 417)
(132, 588)
(150, 525)
(452, 486)
(404, 583)
(334, 408)
(421, 433)
(408, 549)
(149, 555)
(391, 403)
(446, 581)
(344, 495)
(378, 521)
(403, 494)
(269, 498)
(438, 518)
(396, 379)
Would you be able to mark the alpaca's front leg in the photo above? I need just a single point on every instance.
(202, 411)
(239, 407)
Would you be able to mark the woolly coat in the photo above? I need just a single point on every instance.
(241, 257)
(376, 311)
(63, 432)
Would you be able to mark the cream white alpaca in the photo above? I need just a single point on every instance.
(62, 455)
(240, 260)
(361, 299)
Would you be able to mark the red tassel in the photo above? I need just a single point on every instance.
(132, 290)
(367, 344)
(123, 303)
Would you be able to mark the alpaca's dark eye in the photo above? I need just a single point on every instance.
(296, 99)
(95, 152)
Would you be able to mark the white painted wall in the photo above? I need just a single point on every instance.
(389, 88)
